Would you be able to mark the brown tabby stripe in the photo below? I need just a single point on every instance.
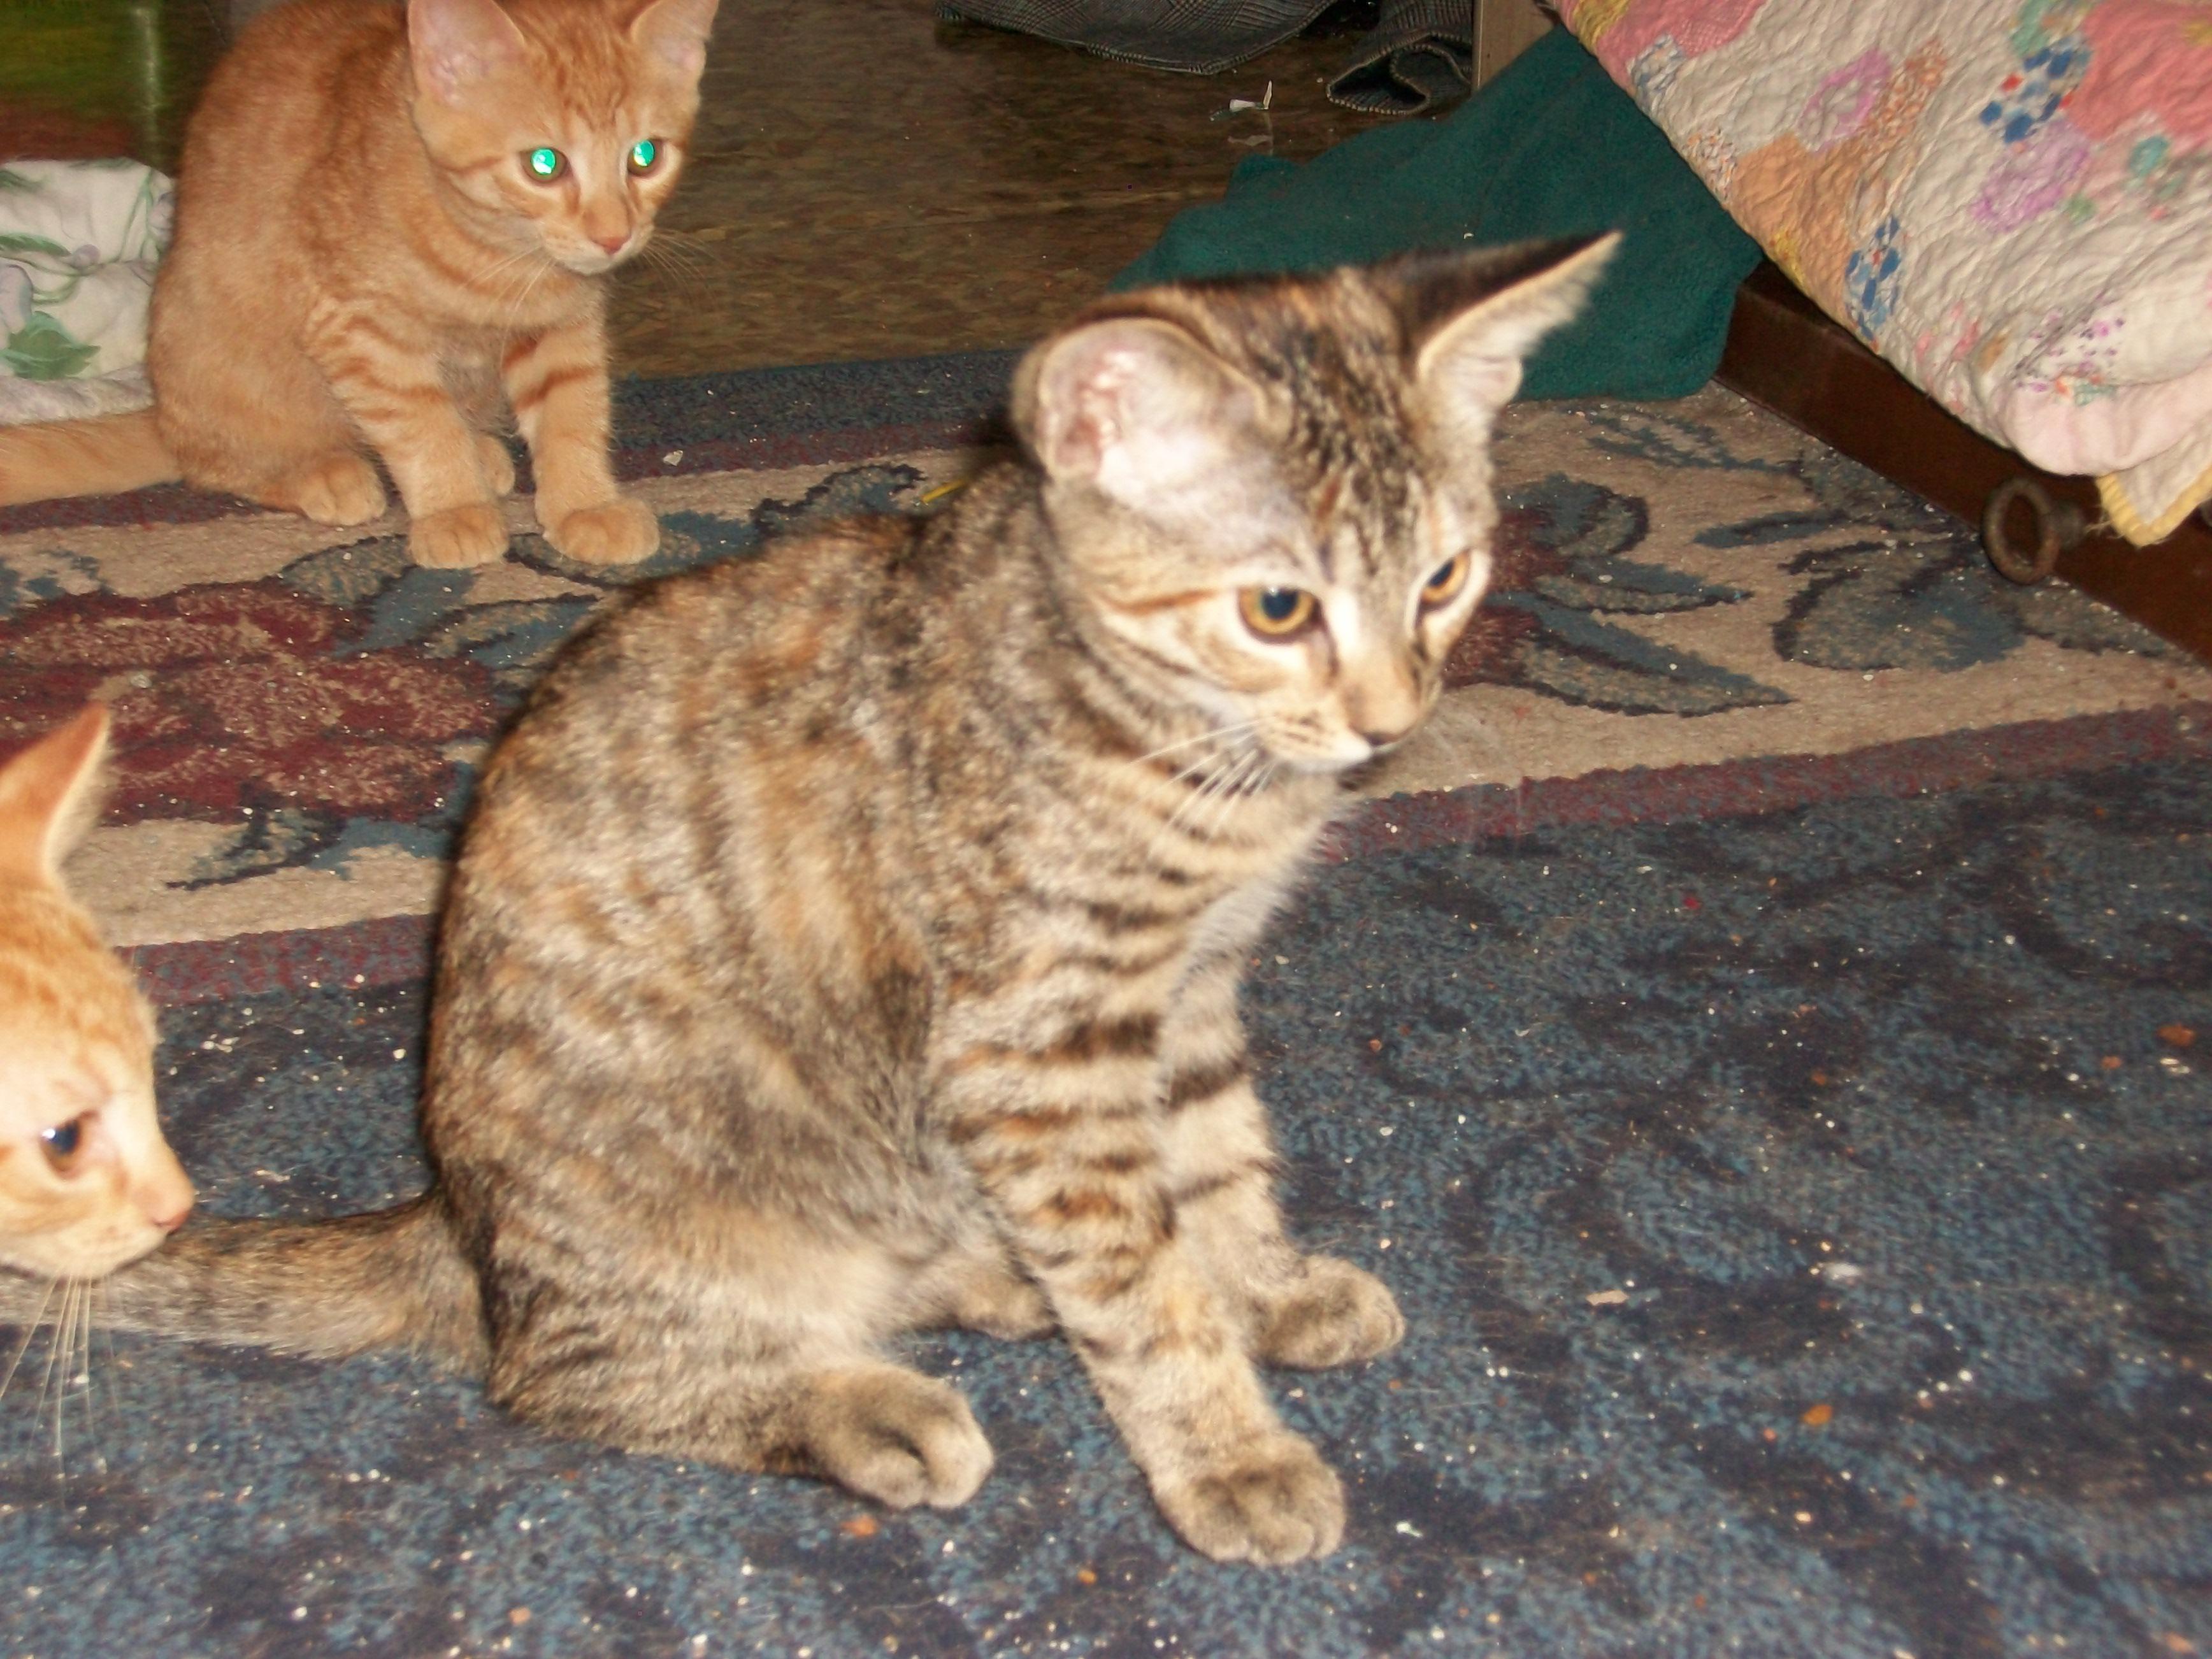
(1192, 1088)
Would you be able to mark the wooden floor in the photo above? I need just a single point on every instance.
(865, 181)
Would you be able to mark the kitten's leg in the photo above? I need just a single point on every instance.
(1061, 1134)
(775, 1376)
(1303, 1311)
(974, 1286)
(393, 389)
(497, 464)
(557, 383)
(243, 411)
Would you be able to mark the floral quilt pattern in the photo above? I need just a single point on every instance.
(2011, 200)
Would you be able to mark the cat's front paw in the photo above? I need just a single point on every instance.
(1332, 1314)
(459, 536)
(1276, 1503)
(619, 531)
(896, 1436)
(339, 489)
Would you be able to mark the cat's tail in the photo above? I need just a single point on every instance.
(392, 1279)
(41, 460)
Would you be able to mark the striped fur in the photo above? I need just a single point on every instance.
(364, 267)
(847, 940)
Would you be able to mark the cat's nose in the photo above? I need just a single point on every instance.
(165, 1194)
(613, 244)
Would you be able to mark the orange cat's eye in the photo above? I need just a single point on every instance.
(545, 164)
(1277, 613)
(644, 156)
(1444, 585)
(64, 1145)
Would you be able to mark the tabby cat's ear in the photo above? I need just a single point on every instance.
(1474, 319)
(1137, 408)
(457, 45)
(676, 32)
(48, 796)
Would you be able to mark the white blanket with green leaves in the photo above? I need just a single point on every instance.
(78, 244)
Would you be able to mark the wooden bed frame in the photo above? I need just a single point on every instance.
(1786, 355)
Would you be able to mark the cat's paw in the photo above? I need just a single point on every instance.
(1332, 1314)
(339, 489)
(475, 534)
(619, 531)
(1002, 1304)
(1277, 1502)
(896, 1436)
(495, 464)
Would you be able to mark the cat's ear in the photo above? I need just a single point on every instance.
(1473, 319)
(49, 795)
(676, 32)
(458, 44)
(1136, 407)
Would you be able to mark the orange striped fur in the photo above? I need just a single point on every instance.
(366, 268)
(846, 939)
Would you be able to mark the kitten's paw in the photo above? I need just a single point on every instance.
(1000, 1302)
(475, 534)
(619, 531)
(339, 489)
(896, 1436)
(495, 464)
(1333, 1315)
(1278, 1502)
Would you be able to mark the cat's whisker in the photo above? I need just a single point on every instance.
(30, 1329)
(110, 1370)
(1213, 734)
(1239, 791)
(64, 1322)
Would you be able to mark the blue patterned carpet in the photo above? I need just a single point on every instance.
(1804, 1227)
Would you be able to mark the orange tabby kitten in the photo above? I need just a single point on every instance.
(86, 1183)
(387, 217)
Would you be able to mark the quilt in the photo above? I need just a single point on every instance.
(2010, 200)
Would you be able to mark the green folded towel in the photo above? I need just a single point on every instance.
(1551, 147)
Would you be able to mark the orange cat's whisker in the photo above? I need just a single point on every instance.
(30, 1329)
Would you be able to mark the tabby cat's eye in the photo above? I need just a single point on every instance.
(643, 155)
(545, 164)
(1444, 583)
(63, 1142)
(1276, 613)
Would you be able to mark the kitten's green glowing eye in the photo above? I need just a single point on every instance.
(545, 164)
(1449, 579)
(1276, 613)
(642, 155)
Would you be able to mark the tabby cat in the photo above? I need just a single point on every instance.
(387, 216)
(847, 940)
(86, 1183)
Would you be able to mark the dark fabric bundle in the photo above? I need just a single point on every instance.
(1551, 147)
(1419, 52)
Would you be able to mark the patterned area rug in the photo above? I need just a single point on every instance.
(1755, 1032)
(301, 713)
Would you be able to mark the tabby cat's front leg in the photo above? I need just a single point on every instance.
(1062, 1133)
(1220, 1159)
(557, 383)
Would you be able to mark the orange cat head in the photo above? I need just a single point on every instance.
(565, 120)
(86, 1182)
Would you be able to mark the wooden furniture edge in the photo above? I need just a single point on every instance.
(1784, 354)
